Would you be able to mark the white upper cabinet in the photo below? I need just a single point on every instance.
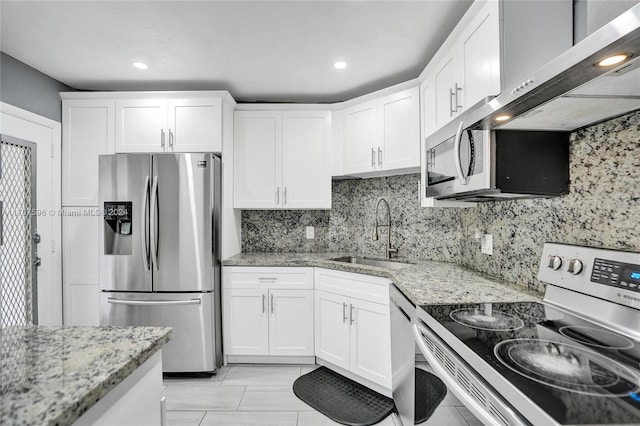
(255, 137)
(197, 124)
(281, 160)
(495, 46)
(169, 125)
(362, 138)
(87, 132)
(382, 136)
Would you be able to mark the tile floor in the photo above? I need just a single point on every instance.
(262, 395)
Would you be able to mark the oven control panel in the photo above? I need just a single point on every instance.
(616, 274)
(606, 274)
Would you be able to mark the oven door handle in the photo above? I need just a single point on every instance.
(480, 411)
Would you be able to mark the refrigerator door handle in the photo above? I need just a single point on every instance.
(115, 301)
(145, 225)
(154, 223)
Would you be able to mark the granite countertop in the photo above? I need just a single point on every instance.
(424, 282)
(53, 375)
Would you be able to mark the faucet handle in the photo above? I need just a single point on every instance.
(391, 251)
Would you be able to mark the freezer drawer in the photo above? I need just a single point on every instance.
(193, 346)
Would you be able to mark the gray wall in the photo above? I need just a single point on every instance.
(602, 210)
(27, 88)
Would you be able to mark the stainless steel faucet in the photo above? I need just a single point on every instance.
(390, 250)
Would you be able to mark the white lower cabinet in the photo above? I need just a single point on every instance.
(268, 311)
(353, 324)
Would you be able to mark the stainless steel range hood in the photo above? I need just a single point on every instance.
(571, 92)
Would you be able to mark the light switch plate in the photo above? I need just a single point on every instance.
(486, 245)
(310, 232)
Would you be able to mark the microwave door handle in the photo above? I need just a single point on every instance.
(456, 154)
(145, 225)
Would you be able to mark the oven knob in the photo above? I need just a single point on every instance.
(555, 262)
(575, 266)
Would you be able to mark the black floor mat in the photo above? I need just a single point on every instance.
(341, 399)
(430, 391)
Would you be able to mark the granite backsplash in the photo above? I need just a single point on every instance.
(601, 210)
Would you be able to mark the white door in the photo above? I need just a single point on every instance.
(80, 265)
(195, 125)
(46, 134)
(256, 159)
(481, 57)
(445, 85)
(362, 137)
(89, 127)
(291, 322)
(332, 328)
(428, 110)
(246, 322)
(141, 125)
(306, 177)
(400, 116)
(370, 342)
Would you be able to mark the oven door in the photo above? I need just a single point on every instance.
(459, 164)
(473, 391)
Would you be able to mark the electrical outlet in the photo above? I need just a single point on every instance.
(310, 232)
(486, 245)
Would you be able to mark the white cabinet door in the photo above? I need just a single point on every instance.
(87, 132)
(141, 125)
(306, 176)
(80, 268)
(195, 125)
(370, 341)
(481, 57)
(428, 110)
(362, 137)
(246, 322)
(256, 167)
(400, 118)
(445, 84)
(332, 328)
(291, 322)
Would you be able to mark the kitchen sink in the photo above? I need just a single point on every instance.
(389, 264)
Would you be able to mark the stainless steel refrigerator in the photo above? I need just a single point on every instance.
(159, 251)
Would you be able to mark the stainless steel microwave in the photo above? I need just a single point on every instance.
(484, 165)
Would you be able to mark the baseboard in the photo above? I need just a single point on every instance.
(268, 359)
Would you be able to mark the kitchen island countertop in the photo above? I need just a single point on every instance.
(425, 282)
(53, 375)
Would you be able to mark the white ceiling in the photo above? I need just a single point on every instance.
(275, 51)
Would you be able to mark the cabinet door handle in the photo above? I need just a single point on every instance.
(162, 138)
(458, 103)
(373, 157)
(452, 96)
(272, 304)
(284, 196)
(277, 195)
(263, 303)
(344, 312)
(351, 319)
(171, 139)
(379, 157)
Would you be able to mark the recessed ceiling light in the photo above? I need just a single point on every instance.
(613, 60)
(140, 65)
(503, 117)
(340, 65)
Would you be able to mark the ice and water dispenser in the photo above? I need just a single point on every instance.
(118, 223)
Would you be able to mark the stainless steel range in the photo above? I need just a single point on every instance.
(573, 358)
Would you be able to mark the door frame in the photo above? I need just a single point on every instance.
(23, 124)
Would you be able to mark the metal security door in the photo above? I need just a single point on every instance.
(18, 237)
